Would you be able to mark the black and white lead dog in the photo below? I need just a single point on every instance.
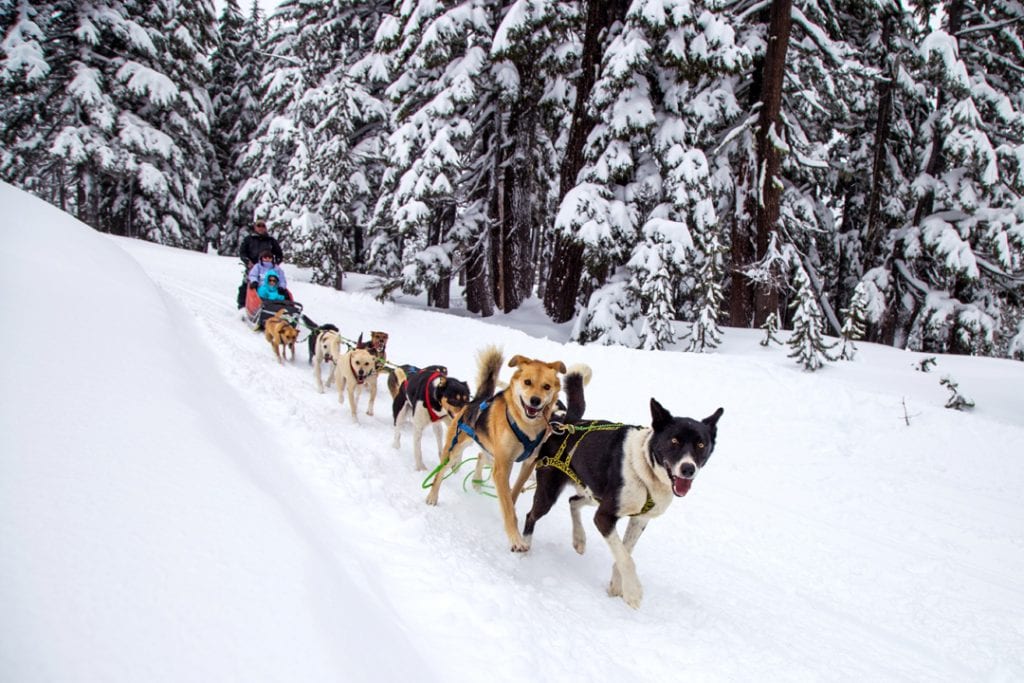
(626, 471)
(429, 397)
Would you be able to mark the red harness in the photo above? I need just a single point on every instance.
(434, 417)
(354, 375)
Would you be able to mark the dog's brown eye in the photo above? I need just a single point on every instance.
(528, 382)
(547, 387)
(700, 445)
(675, 441)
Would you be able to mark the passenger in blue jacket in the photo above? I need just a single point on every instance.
(258, 273)
(269, 290)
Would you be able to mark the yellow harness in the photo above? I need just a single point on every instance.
(562, 460)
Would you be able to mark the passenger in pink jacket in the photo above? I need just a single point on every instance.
(258, 273)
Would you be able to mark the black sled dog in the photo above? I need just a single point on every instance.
(426, 396)
(626, 471)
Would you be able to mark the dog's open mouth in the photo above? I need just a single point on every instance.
(531, 413)
(681, 486)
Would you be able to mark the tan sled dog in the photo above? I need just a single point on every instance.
(355, 371)
(281, 336)
(509, 425)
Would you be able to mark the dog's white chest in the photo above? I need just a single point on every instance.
(642, 491)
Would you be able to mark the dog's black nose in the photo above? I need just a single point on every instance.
(687, 470)
(535, 401)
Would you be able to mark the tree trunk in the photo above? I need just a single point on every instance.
(567, 256)
(478, 298)
(439, 295)
(768, 186)
(741, 294)
(519, 189)
(883, 127)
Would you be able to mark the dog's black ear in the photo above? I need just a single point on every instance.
(712, 419)
(659, 416)
(359, 342)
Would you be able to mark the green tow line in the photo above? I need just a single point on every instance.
(485, 486)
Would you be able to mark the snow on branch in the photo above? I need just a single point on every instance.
(143, 80)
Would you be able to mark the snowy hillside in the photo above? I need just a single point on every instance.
(176, 506)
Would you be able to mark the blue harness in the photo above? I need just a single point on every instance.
(529, 445)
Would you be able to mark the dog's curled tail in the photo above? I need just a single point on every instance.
(576, 377)
(396, 378)
(490, 360)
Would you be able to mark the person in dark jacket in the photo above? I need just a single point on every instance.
(255, 243)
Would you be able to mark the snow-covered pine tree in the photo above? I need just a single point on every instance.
(532, 53)
(307, 163)
(705, 334)
(266, 158)
(181, 207)
(854, 322)
(26, 73)
(1016, 347)
(805, 82)
(961, 257)
(108, 112)
(237, 64)
(654, 261)
(610, 315)
(647, 182)
(873, 163)
(224, 70)
(809, 347)
(438, 57)
(771, 329)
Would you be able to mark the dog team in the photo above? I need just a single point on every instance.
(626, 471)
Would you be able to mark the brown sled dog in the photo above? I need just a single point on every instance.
(281, 336)
(509, 425)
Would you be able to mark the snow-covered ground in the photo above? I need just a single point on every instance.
(176, 506)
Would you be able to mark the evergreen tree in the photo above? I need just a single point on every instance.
(807, 342)
(959, 258)
(308, 163)
(771, 329)
(109, 115)
(647, 182)
(807, 82)
(705, 333)
(438, 56)
(566, 268)
(854, 325)
(236, 66)
(477, 89)
(531, 54)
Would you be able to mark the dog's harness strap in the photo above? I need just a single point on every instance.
(529, 445)
(562, 461)
(358, 381)
(466, 429)
(434, 417)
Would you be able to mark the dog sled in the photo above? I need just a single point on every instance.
(258, 310)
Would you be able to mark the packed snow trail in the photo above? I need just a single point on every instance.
(817, 545)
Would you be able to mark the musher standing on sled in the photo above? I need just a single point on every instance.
(255, 243)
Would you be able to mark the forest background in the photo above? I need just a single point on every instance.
(852, 167)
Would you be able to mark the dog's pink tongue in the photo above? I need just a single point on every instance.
(681, 486)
